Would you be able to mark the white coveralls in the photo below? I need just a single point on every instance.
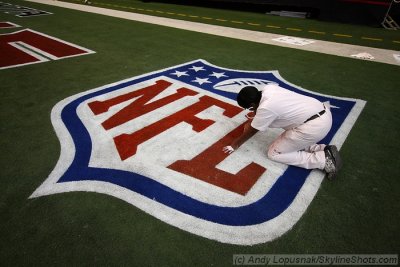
(297, 145)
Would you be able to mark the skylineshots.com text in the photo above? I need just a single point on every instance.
(316, 259)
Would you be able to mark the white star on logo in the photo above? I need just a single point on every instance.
(180, 73)
(201, 81)
(218, 74)
(196, 69)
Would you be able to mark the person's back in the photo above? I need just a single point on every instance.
(287, 108)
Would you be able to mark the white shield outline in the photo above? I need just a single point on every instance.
(237, 231)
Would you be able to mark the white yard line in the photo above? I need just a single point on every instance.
(331, 48)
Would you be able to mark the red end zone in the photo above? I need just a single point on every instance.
(27, 47)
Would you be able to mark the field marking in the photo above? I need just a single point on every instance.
(220, 227)
(342, 35)
(317, 32)
(236, 22)
(372, 39)
(273, 26)
(294, 29)
(325, 47)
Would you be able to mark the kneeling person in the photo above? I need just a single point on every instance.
(305, 120)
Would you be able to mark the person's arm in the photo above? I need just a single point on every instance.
(248, 132)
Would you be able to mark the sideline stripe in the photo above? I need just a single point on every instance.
(294, 29)
(342, 35)
(372, 39)
(273, 26)
(317, 32)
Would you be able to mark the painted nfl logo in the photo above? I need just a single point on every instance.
(155, 141)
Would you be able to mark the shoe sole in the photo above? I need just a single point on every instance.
(338, 161)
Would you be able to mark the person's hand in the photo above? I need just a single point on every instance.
(250, 115)
(228, 150)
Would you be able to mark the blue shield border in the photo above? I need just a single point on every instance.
(270, 216)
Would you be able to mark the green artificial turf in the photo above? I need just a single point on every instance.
(356, 214)
(305, 28)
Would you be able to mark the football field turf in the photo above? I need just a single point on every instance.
(356, 214)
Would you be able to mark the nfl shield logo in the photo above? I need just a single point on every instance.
(156, 141)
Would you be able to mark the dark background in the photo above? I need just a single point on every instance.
(364, 12)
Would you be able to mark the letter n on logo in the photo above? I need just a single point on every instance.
(203, 166)
(27, 47)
